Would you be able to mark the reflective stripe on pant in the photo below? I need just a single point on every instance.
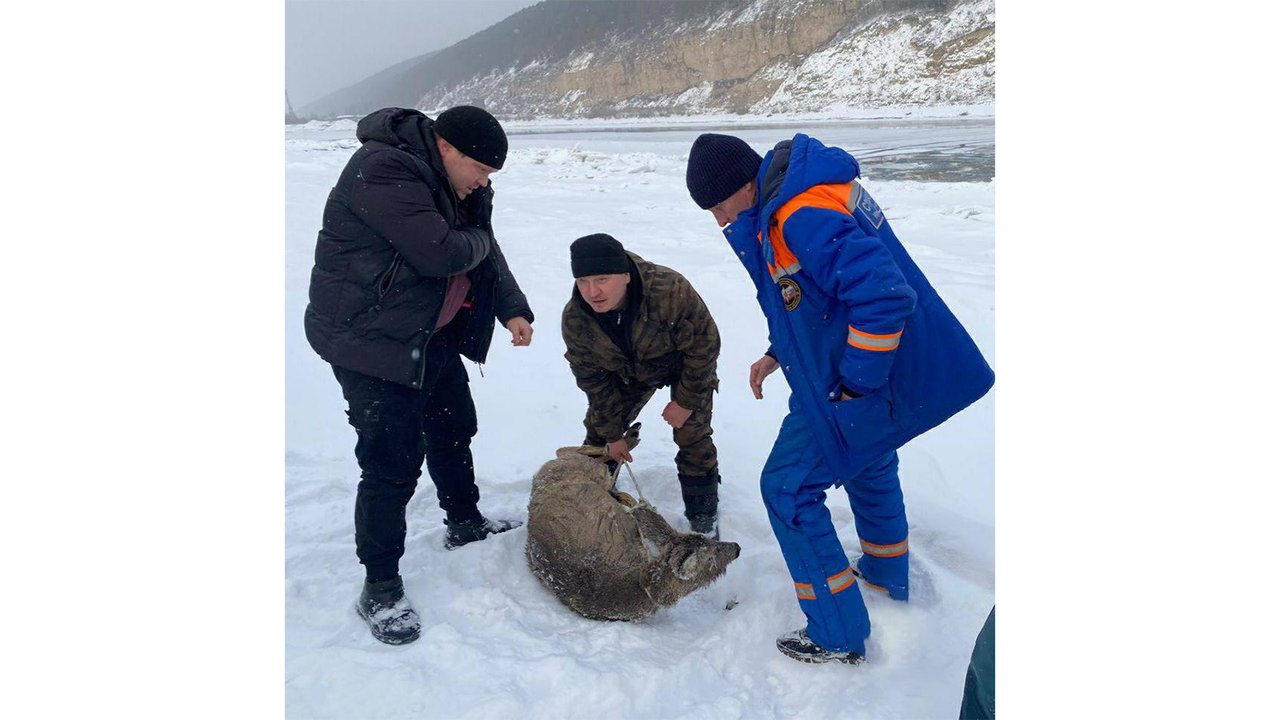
(793, 485)
(875, 496)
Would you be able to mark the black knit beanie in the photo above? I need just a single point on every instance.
(475, 133)
(598, 254)
(719, 165)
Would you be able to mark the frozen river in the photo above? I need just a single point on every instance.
(941, 150)
(960, 149)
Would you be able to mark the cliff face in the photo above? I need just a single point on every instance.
(715, 64)
(576, 58)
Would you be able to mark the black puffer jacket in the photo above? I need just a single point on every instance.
(393, 234)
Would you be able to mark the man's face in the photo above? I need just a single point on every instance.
(465, 174)
(604, 292)
(727, 211)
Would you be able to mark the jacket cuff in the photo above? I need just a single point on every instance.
(685, 400)
(525, 313)
(852, 388)
(851, 392)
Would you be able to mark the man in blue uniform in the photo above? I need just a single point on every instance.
(872, 354)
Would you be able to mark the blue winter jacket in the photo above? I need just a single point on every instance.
(848, 309)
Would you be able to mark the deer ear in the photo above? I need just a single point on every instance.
(567, 452)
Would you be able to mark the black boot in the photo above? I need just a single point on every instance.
(704, 523)
(468, 531)
(701, 499)
(797, 646)
(390, 617)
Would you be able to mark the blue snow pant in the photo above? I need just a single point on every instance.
(794, 484)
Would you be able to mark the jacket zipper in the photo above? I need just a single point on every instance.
(422, 360)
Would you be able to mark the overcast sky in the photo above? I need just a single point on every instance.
(330, 44)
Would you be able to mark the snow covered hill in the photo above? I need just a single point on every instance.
(494, 642)
(645, 58)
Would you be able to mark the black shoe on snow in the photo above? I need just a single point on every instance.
(469, 531)
(797, 646)
(705, 524)
(390, 617)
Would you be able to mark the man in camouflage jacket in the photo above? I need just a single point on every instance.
(630, 328)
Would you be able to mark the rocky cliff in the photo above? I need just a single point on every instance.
(584, 58)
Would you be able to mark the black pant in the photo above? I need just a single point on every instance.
(396, 427)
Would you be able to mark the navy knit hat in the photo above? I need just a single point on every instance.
(475, 133)
(598, 254)
(719, 165)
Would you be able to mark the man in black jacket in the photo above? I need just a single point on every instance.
(408, 279)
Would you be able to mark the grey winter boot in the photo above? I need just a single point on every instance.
(390, 617)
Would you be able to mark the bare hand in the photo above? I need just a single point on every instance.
(675, 415)
(760, 370)
(521, 331)
(618, 450)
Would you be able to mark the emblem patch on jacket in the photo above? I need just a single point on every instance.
(790, 293)
(869, 208)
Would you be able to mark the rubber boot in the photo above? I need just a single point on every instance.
(701, 502)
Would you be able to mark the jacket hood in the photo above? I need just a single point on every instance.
(798, 164)
(398, 127)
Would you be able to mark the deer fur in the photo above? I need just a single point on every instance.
(604, 555)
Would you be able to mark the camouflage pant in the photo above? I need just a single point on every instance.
(696, 457)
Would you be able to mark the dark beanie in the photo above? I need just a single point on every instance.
(598, 254)
(719, 165)
(475, 133)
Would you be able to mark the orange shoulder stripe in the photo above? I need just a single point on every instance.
(833, 196)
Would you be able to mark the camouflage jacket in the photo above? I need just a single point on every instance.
(674, 342)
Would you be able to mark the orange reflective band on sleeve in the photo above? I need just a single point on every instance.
(884, 551)
(840, 581)
(873, 342)
(804, 591)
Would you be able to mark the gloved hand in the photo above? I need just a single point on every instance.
(478, 206)
(632, 436)
(621, 448)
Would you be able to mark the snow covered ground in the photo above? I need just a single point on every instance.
(494, 642)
